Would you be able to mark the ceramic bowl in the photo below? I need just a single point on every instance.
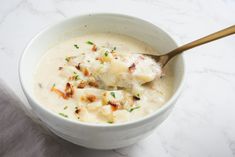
(99, 136)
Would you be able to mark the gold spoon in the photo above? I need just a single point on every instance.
(165, 58)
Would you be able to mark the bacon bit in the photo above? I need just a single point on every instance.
(93, 84)
(85, 72)
(114, 54)
(132, 68)
(82, 98)
(71, 78)
(94, 48)
(60, 68)
(113, 105)
(77, 111)
(58, 92)
(78, 66)
(100, 59)
(82, 84)
(88, 98)
(91, 98)
(69, 90)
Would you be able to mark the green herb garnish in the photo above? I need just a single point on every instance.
(53, 85)
(76, 77)
(114, 48)
(134, 108)
(90, 43)
(106, 54)
(65, 107)
(67, 59)
(113, 94)
(110, 122)
(76, 46)
(64, 115)
(70, 57)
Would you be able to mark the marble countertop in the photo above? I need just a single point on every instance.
(203, 122)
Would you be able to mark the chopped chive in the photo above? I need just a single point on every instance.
(110, 122)
(76, 46)
(134, 108)
(67, 59)
(65, 107)
(113, 94)
(76, 77)
(74, 73)
(53, 85)
(90, 43)
(114, 48)
(64, 115)
(70, 57)
(106, 54)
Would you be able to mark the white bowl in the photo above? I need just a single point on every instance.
(98, 136)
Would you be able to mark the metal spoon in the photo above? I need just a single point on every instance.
(165, 58)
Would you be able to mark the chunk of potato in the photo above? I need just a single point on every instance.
(94, 105)
(121, 116)
(85, 116)
(113, 96)
(106, 111)
(117, 66)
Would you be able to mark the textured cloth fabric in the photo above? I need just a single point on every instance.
(20, 136)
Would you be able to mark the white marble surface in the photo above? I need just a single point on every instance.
(203, 121)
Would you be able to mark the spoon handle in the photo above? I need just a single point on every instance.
(217, 35)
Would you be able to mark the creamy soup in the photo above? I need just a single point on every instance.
(101, 78)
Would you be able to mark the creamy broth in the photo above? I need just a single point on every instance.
(66, 79)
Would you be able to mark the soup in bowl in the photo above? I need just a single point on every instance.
(88, 80)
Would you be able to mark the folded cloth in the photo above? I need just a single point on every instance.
(20, 136)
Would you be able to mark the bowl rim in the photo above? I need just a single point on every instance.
(152, 115)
